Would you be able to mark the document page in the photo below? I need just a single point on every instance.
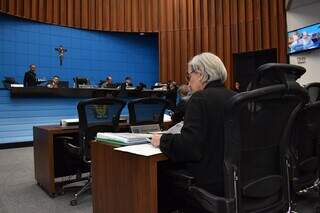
(141, 149)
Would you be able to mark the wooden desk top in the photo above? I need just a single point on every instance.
(58, 128)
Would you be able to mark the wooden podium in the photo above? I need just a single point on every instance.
(123, 182)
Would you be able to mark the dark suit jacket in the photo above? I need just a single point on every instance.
(201, 142)
(30, 79)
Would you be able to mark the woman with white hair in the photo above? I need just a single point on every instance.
(200, 145)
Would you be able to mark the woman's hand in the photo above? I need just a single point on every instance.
(155, 140)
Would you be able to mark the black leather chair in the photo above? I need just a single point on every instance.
(304, 149)
(257, 124)
(95, 115)
(147, 111)
(276, 73)
(313, 91)
(8, 81)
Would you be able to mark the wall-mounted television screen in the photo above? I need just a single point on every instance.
(304, 39)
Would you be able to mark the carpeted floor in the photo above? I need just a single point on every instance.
(19, 192)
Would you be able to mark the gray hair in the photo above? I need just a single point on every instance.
(209, 66)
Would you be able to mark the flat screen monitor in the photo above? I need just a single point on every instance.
(304, 39)
(80, 81)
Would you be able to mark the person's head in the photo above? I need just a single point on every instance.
(204, 68)
(305, 35)
(184, 90)
(109, 79)
(128, 80)
(172, 85)
(32, 67)
(237, 85)
(55, 79)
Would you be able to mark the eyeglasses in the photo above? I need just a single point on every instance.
(194, 69)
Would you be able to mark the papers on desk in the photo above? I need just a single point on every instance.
(141, 149)
(176, 129)
(166, 118)
(16, 85)
(123, 138)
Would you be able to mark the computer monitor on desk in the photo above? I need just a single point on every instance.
(80, 81)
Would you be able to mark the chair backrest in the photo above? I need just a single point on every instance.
(276, 73)
(256, 139)
(313, 91)
(147, 111)
(304, 147)
(97, 115)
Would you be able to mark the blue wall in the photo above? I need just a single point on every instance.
(19, 115)
(90, 54)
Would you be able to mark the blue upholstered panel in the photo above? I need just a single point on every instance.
(90, 54)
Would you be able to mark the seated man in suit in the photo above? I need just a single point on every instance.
(30, 79)
(128, 81)
(108, 83)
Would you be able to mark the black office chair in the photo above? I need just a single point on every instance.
(145, 111)
(313, 91)
(304, 149)
(8, 81)
(95, 115)
(276, 73)
(257, 124)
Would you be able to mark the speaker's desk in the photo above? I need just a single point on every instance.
(123, 182)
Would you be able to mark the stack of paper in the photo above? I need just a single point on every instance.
(123, 138)
(141, 149)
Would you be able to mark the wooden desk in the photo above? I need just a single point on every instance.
(43, 150)
(123, 182)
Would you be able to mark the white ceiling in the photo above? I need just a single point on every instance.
(293, 4)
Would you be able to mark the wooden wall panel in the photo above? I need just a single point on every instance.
(56, 12)
(84, 14)
(212, 27)
(257, 25)
(20, 8)
(70, 13)
(42, 10)
(98, 9)
(63, 12)
(185, 27)
(226, 34)
(106, 15)
(92, 14)
(12, 6)
(26, 8)
(249, 25)
(282, 24)
(77, 13)
(34, 9)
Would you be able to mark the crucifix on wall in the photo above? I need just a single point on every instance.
(61, 51)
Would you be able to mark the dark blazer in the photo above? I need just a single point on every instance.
(201, 142)
(30, 79)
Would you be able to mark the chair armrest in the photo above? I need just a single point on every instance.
(180, 178)
(212, 203)
(68, 144)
